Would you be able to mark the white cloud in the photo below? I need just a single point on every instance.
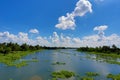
(7, 37)
(55, 38)
(62, 40)
(82, 7)
(68, 22)
(91, 38)
(76, 40)
(42, 41)
(101, 30)
(23, 37)
(34, 31)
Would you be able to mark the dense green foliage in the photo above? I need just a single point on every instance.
(104, 49)
(6, 48)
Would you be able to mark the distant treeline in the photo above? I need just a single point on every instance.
(9, 47)
(103, 49)
(6, 48)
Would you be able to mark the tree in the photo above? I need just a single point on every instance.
(7, 50)
(1, 49)
(114, 48)
(24, 47)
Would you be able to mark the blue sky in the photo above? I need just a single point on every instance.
(23, 15)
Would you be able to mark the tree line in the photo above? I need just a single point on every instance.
(103, 49)
(6, 48)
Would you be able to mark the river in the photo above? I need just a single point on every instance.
(77, 62)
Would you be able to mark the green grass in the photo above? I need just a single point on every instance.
(11, 58)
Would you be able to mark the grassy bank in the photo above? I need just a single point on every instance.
(12, 59)
(103, 54)
(111, 58)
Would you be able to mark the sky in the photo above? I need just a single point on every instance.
(61, 23)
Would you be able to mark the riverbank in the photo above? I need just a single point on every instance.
(111, 58)
(12, 58)
(111, 51)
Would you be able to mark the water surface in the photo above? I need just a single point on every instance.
(78, 62)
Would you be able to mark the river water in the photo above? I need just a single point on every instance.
(77, 62)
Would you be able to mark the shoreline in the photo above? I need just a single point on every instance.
(12, 58)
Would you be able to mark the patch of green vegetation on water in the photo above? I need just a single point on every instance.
(21, 64)
(58, 63)
(63, 74)
(113, 62)
(106, 54)
(92, 74)
(101, 57)
(10, 79)
(12, 58)
(87, 78)
(113, 55)
(114, 77)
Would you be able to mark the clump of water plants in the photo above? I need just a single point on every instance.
(63, 74)
(58, 63)
(10, 79)
(114, 77)
(13, 59)
(113, 62)
(92, 74)
(87, 78)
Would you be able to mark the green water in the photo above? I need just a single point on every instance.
(77, 62)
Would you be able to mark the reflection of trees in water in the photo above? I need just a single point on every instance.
(36, 78)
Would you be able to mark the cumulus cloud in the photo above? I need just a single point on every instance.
(22, 37)
(82, 7)
(91, 38)
(43, 41)
(68, 21)
(7, 37)
(55, 39)
(101, 30)
(34, 31)
(66, 41)
(76, 40)
(61, 40)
